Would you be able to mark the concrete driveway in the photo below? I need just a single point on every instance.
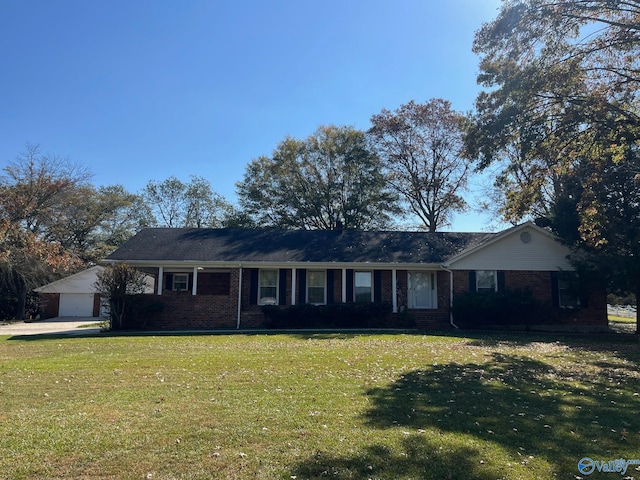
(56, 326)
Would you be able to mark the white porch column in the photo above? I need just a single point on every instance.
(344, 285)
(293, 286)
(394, 289)
(160, 279)
(194, 289)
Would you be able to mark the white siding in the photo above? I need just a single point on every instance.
(541, 253)
(81, 282)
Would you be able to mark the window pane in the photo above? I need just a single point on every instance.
(180, 282)
(363, 286)
(268, 287)
(268, 278)
(363, 279)
(268, 295)
(315, 279)
(316, 287)
(486, 280)
(315, 295)
(363, 294)
(568, 291)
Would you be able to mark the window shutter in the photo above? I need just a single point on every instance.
(501, 284)
(584, 293)
(169, 282)
(584, 299)
(190, 282)
(472, 281)
(282, 287)
(555, 293)
(253, 286)
(377, 286)
(302, 285)
(330, 285)
(349, 285)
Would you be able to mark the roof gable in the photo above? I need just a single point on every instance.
(81, 282)
(524, 247)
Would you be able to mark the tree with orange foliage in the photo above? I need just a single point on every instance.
(29, 190)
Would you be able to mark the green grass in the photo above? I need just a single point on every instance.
(317, 406)
(616, 318)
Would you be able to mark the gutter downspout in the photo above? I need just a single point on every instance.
(239, 296)
(451, 298)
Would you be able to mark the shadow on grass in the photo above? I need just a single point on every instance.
(90, 333)
(510, 407)
(420, 458)
(525, 406)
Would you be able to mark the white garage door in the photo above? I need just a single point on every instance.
(76, 305)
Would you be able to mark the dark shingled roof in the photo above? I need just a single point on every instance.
(276, 245)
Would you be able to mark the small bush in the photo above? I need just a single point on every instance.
(9, 305)
(120, 286)
(141, 308)
(621, 299)
(340, 315)
(511, 307)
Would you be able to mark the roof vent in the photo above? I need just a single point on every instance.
(525, 237)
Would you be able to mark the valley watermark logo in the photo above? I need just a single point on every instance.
(587, 465)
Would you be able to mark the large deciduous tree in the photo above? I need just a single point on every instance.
(91, 222)
(556, 67)
(422, 149)
(175, 203)
(325, 181)
(560, 116)
(30, 188)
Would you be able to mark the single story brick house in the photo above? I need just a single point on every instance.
(221, 278)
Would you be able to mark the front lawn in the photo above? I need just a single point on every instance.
(317, 406)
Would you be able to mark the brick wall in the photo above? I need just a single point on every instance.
(181, 310)
(96, 304)
(49, 305)
(540, 284)
(184, 311)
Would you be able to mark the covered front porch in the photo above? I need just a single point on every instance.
(232, 296)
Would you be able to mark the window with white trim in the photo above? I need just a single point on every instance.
(422, 290)
(363, 286)
(486, 281)
(268, 291)
(316, 287)
(180, 282)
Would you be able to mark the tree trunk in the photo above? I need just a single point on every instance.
(637, 309)
(22, 302)
(117, 314)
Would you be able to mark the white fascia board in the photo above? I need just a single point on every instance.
(189, 264)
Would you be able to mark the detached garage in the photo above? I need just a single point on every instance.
(73, 296)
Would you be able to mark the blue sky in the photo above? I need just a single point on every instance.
(140, 90)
